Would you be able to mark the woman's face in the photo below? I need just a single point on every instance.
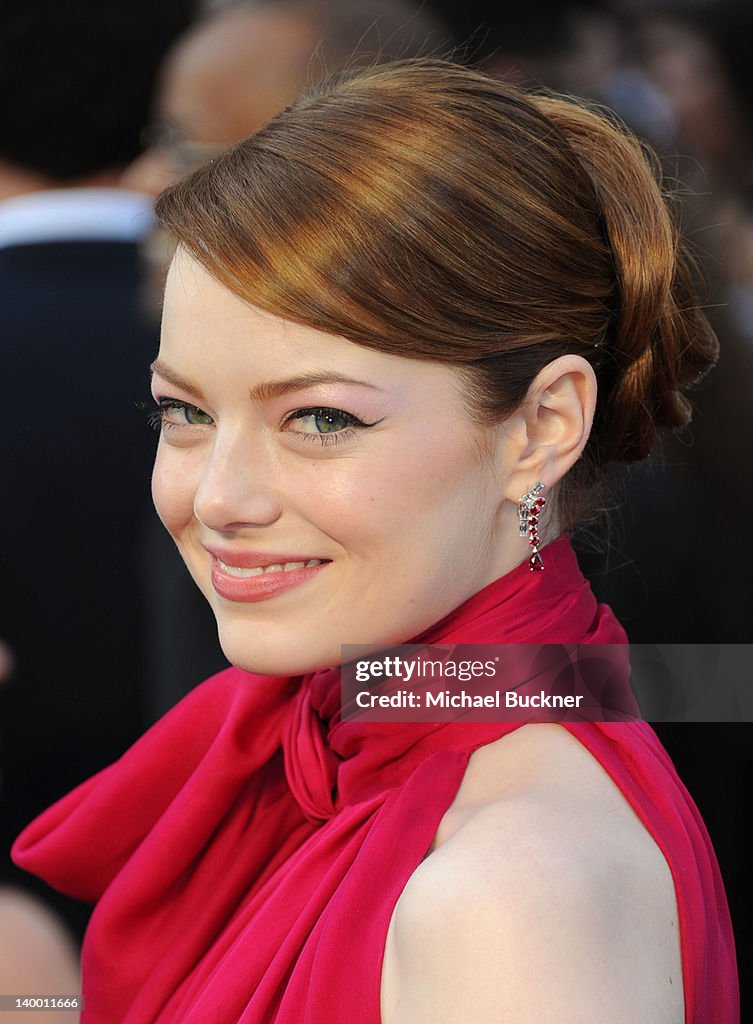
(320, 493)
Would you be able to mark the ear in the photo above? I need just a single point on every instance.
(546, 435)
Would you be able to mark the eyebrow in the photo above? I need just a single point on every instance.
(276, 388)
(266, 390)
(174, 378)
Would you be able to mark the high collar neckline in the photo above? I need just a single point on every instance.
(358, 758)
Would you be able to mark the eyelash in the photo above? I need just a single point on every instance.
(156, 417)
(156, 420)
(335, 437)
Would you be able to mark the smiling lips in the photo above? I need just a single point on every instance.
(257, 570)
(253, 576)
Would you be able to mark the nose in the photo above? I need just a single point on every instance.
(237, 488)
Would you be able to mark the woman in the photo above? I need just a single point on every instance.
(413, 306)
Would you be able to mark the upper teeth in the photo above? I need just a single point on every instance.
(257, 570)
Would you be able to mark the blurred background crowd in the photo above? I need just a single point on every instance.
(103, 104)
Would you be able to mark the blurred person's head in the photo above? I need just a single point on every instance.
(236, 69)
(37, 952)
(6, 662)
(684, 62)
(76, 83)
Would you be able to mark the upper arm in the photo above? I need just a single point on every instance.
(519, 929)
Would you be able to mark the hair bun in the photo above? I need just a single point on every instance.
(426, 210)
(661, 342)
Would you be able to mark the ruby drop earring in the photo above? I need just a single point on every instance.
(529, 507)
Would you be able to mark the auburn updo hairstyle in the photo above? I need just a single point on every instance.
(427, 210)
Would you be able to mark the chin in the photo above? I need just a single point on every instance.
(286, 656)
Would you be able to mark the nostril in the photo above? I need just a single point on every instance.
(230, 509)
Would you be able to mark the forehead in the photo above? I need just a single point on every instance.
(208, 330)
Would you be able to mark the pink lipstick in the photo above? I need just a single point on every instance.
(257, 576)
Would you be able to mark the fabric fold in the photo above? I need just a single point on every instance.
(248, 852)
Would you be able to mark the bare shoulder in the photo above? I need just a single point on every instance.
(543, 899)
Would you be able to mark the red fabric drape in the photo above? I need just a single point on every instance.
(247, 853)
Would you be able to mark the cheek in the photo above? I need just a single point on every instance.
(173, 491)
(433, 485)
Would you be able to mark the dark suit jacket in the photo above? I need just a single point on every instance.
(75, 458)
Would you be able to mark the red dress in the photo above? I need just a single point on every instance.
(247, 853)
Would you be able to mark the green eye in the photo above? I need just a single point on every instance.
(319, 421)
(173, 413)
(324, 424)
(329, 421)
(196, 416)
